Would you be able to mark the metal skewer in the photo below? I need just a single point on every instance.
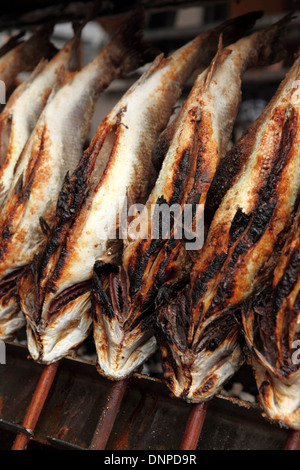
(194, 426)
(36, 406)
(108, 415)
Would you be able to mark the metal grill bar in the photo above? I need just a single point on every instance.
(108, 415)
(54, 418)
(293, 441)
(194, 426)
(36, 406)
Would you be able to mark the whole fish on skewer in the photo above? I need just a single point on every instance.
(26, 55)
(54, 147)
(198, 333)
(20, 115)
(197, 140)
(270, 320)
(55, 292)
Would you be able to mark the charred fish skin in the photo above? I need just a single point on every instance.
(270, 324)
(20, 115)
(26, 55)
(253, 215)
(145, 265)
(74, 246)
(55, 145)
(196, 143)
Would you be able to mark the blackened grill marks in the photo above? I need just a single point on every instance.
(267, 189)
(217, 332)
(145, 250)
(229, 167)
(72, 195)
(200, 287)
(99, 297)
(179, 181)
(288, 280)
(238, 225)
(139, 264)
(67, 295)
(259, 219)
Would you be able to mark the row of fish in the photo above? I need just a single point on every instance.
(206, 309)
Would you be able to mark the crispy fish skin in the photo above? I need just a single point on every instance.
(199, 139)
(20, 115)
(198, 335)
(270, 320)
(26, 55)
(89, 199)
(55, 146)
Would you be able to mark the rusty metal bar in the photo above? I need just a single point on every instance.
(293, 440)
(36, 406)
(193, 427)
(108, 415)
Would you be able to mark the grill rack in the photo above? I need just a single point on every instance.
(69, 405)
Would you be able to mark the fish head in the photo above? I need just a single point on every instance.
(123, 333)
(53, 333)
(195, 367)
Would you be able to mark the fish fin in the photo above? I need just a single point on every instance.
(32, 54)
(216, 61)
(269, 42)
(234, 28)
(129, 39)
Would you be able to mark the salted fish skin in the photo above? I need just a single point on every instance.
(142, 301)
(198, 142)
(256, 211)
(57, 261)
(55, 146)
(25, 56)
(19, 117)
(270, 320)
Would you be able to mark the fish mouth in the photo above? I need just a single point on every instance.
(58, 330)
(124, 338)
(195, 370)
(57, 338)
(278, 396)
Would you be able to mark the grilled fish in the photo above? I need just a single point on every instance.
(270, 320)
(197, 330)
(58, 305)
(54, 147)
(197, 139)
(20, 115)
(26, 55)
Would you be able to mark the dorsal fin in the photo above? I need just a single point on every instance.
(214, 63)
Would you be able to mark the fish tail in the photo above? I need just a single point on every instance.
(31, 54)
(269, 41)
(129, 40)
(234, 28)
